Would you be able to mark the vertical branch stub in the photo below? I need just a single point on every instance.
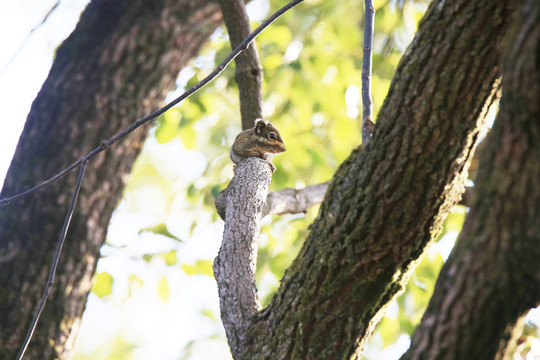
(234, 267)
(249, 72)
(367, 102)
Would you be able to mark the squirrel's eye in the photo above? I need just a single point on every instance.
(272, 136)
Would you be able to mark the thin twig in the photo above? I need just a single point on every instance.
(105, 144)
(367, 103)
(52, 271)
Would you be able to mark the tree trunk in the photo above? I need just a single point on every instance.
(118, 65)
(234, 267)
(387, 202)
(492, 276)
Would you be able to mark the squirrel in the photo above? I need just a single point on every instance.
(262, 141)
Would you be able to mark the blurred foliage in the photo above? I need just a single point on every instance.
(528, 342)
(201, 267)
(163, 289)
(102, 285)
(117, 349)
(312, 60)
(160, 229)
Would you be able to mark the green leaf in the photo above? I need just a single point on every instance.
(163, 289)
(148, 257)
(216, 189)
(160, 229)
(272, 61)
(102, 284)
(170, 258)
(210, 314)
(134, 283)
(390, 330)
(168, 124)
(454, 221)
(280, 35)
(188, 137)
(134, 280)
(201, 267)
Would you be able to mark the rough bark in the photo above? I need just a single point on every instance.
(492, 276)
(387, 201)
(234, 267)
(117, 66)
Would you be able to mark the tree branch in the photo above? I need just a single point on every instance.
(115, 66)
(367, 102)
(234, 267)
(286, 201)
(248, 73)
(294, 201)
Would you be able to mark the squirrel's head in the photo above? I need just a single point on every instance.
(270, 135)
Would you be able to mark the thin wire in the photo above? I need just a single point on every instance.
(52, 271)
(104, 145)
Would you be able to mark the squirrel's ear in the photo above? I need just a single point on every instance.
(260, 124)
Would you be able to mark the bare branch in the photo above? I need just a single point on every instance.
(248, 73)
(234, 267)
(294, 201)
(105, 144)
(286, 201)
(367, 103)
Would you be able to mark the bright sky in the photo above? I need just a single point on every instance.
(22, 78)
